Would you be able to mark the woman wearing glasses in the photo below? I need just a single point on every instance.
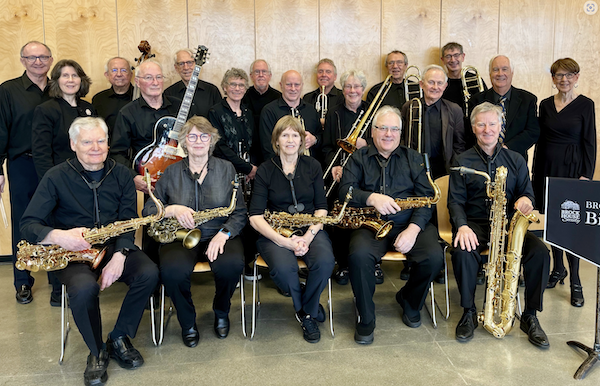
(196, 183)
(566, 148)
(293, 183)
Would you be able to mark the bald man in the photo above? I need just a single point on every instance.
(290, 102)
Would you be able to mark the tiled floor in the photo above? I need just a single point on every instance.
(29, 343)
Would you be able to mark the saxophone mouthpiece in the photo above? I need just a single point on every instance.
(235, 182)
(349, 194)
(463, 170)
(426, 161)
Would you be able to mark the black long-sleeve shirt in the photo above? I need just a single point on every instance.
(177, 186)
(467, 197)
(18, 99)
(50, 131)
(63, 200)
(234, 130)
(206, 96)
(395, 97)
(403, 177)
(335, 97)
(108, 104)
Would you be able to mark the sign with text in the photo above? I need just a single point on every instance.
(572, 220)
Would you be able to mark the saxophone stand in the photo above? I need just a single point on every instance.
(593, 353)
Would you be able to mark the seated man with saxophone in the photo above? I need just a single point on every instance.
(381, 174)
(90, 191)
(198, 193)
(292, 184)
(469, 206)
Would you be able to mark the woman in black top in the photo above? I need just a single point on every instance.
(52, 119)
(197, 183)
(566, 148)
(293, 183)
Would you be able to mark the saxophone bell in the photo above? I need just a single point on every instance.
(189, 237)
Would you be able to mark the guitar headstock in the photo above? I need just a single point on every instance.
(201, 55)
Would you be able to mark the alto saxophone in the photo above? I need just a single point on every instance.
(169, 229)
(283, 222)
(33, 257)
(504, 264)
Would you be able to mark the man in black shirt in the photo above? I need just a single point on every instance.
(290, 103)
(396, 63)
(470, 214)
(18, 98)
(109, 102)
(206, 95)
(379, 174)
(326, 76)
(91, 191)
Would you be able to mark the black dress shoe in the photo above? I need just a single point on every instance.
(95, 372)
(122, 351)
(412, 321)
(480, 277)
(405, 273)
(191, 336)
(55, 300)
(363, 339)
(222, 327)
(466, 326)
(341, 276)
(378, 274)
(556, 277)
(441, 277)
(24, 295)
(531, 326)
(577, 295)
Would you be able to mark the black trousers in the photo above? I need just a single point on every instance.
(23, 182)
(365, 251)
(139, 273)
(535, 261)
(249, 237)
(283, 269)
(177, 264)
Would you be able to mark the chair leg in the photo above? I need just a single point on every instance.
(445, 315)
(330, 306)
(243, 302)
(254, 301)
(519, 310)
(432, 313)
(153, 321)
(65, 326)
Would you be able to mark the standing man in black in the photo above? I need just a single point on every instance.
(18, 98)
(109, 102)
(326, 76)
(206, 95)
(520, 126)
(396, 63)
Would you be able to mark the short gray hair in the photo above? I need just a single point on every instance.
(432, 67)
(117, 57)
(138, 69)
(328, 61)
(234, 73)
(188, 50)
(86, 123)
(484, 108)
(512, 66)
(386, 110)
(260, 60)
(355, 74)
(34, 42)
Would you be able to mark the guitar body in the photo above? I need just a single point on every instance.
(162, 152)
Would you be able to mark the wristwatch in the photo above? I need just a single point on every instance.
(313, 232)
(226, 231)
(124, 251)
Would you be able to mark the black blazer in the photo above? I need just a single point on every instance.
(522, 126)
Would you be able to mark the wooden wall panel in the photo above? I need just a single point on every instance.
(5, 233)
(475, 26)
(162, 23)
(349, 35)
(22, 21)
(85, 31)
(287, 36)
(412, 27)
(226, 27)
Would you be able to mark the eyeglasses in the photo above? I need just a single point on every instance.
(398, 62)
(150, 78)
(237, 85)
(119, 70)
(32, 59)
(568, 75)
(452, 56)
(189, 63)
(204, 137)
(383, 129)
(482, 125)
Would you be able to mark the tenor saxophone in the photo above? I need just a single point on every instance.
(168, 230)
(33, 257)
(504, 264)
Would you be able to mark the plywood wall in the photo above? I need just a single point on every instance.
(295, 34)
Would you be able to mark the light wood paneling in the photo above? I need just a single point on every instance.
(412, 27)
(21, 21)
(287, 36)
(226, 27)
(5, 233)
(162, 23)
(85, 31)
(475, 26)
(350, 35)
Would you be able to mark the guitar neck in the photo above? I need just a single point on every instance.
(187, 100)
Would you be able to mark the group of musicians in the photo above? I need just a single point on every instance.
(277, 145)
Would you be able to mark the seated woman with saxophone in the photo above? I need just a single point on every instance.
(469, 206)
(293, 183)
(90, 191)
(197, 183)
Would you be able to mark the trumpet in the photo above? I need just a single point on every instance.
(472, 83)
(321, 105)
(358, 129)
(416, 123)
(296, 114)
(410, 81)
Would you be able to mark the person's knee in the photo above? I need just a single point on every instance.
(83, 290)
(229, 270)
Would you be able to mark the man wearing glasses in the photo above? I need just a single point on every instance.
(380, 173)
(396, 63)
(18, 99)
(206, 95)
(109, 102)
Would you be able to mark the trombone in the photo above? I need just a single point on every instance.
(472, 83)
(358, 129)
(321, 105)
(296, 114)
(410, 81)
(415, 123)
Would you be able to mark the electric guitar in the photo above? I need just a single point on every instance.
(164, 149)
